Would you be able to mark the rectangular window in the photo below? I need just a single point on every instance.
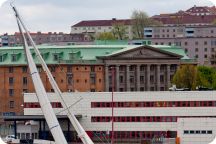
(25, 80)
(24, 69)
(11, 104)
(121, 79)
(92, 79)
(1, 58)
(14, 58)
(25, 90)
(55, 57)
(11, 92)
(142, 79)
(69, 80)
(92, 69)
(10, 69)
(52, 69)
(69, 69)
(205, 49)
(162, 78)
(132, 79)
(11, 80)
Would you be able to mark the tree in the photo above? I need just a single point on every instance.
(119, 30)
(214, 22)
(185, 77)
(140, 20)
(105, 36)
(189, 76)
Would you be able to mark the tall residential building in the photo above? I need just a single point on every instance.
(89, 68)
(99, 26)
(199, 42)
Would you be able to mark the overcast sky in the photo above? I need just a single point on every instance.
(59, 15)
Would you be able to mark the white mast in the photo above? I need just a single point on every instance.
(46, 107)
(79, 129)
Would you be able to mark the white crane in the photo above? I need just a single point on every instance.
(79, 129)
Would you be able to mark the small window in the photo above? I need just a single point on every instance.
(205, 49)
(11, 92)
(24, 69)
(203, 132)
(11, 104)
(209, 132)
(205, 42)
(14, 58)
(191, 132)
(25, 80)
(1, 58)
(186, 132)
(11, 80)
(92, 69)
(10, 69)
(205, 56)
(52, 69)
(55, 57)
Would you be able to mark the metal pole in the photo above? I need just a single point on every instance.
(113, 86)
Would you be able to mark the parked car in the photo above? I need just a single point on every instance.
(9, 138)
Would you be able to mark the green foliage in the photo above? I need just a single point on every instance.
(214, 22)
(105, 36)
(189, 76)
(185, 77)
(140, 21)
(119, 31)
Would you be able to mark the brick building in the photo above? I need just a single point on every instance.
(88, 68)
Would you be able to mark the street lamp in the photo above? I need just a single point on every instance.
(113, 86)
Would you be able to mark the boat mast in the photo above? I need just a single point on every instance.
(46, 107)
(77, 126)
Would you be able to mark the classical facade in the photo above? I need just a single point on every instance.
(88, 69)
(142, 68)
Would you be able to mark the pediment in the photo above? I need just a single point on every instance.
(144, 53)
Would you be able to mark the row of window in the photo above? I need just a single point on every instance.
(53, 69)
(37, 105)
(12, 80)
(134, 134)
(139, 118)
(197, 131)
(154, 104)
(143, 68)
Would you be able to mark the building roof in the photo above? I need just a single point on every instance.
(187, 19)
(77, 54)
(94, 23)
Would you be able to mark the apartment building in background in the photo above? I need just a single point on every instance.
(52, 38)
(196, 15)
(199, 42)
(98, 26)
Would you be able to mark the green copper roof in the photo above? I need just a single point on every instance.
(76, 54)
(172, 49)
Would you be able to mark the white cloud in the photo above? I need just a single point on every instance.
(59, 15)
